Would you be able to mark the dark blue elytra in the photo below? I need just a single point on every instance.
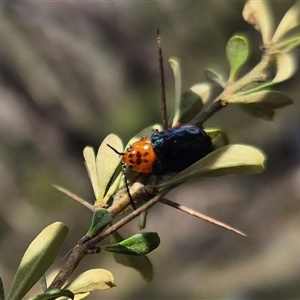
(179, 147)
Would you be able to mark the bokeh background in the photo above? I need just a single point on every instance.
(73, 72)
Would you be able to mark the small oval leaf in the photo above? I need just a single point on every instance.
(228, 160)
(54, 294)
(138, 244)
(38, 257)
(141, 263)
(237, 52)
(101, 218)
(91, 280)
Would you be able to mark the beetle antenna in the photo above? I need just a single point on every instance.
(124, 174)
(162, 84)
(115, 150)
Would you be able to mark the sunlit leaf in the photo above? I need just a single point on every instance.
(90, 164)
(140, 263)
(290, 20)
(138, 244)
(106, 162)
(228, 160)
(286, 64)
(101, 218)
(175, 65)
(237, 52)
(91, 280)
(270, 99)
(38, 257)
(203, 90)
(54, 294)
(258, 14)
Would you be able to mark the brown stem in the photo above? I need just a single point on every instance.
(88, 247)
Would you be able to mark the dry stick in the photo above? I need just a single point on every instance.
(75, 197)
(199, 215)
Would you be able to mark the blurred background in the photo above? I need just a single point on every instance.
(73, 72)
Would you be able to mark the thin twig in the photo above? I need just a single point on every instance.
(75, 197)
(199, 215)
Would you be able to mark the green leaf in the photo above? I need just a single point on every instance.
(214, 77)
(1, 290)
(106, 163)
(290, 20)
(91, 280)
(54, 294)
(269, 99)
(175, 65)
(38, 257)
(218, 137)
(237, 52)
(138, 244)
(258, 14)
(101, 218)
(140, 263)
(228, 160)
